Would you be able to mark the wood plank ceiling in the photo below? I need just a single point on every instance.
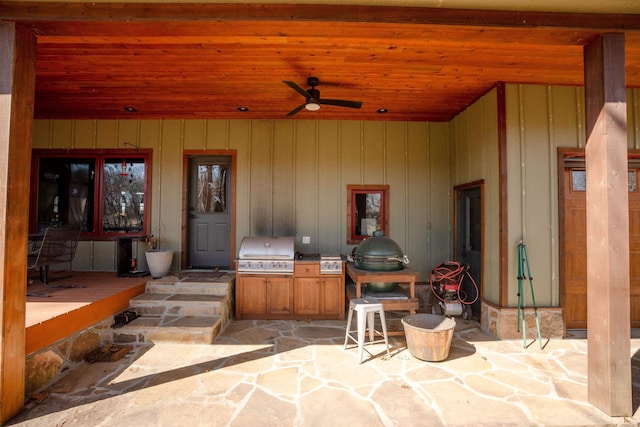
(205, 61)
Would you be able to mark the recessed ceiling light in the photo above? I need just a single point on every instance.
(382, 110)
(130, 109)
(243, 109)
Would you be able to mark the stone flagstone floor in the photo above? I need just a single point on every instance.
(296, 373)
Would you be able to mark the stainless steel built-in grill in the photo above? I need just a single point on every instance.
(266, 255)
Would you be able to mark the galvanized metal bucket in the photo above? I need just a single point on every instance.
(429, 336)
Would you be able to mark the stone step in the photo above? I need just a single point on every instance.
(179, 309)
(172, 284)
(179, 304)
(170, 329)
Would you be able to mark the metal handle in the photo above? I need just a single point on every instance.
(403, 259)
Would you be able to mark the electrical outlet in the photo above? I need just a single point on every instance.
(306, 240)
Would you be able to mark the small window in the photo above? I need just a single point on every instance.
(579, 180)
(367, 211)
(633, 176)
(101, 191)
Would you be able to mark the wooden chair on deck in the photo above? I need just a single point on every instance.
(57, 246)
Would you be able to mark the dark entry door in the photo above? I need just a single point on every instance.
(209, 212)
(469, 242)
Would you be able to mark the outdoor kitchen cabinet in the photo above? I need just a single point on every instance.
(305, 295)
(264, 297)
(317, 296)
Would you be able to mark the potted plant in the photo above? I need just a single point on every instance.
(158, 259)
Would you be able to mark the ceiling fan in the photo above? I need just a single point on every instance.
(313, 100)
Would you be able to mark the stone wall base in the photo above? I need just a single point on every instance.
(46, 366)
(503, 322)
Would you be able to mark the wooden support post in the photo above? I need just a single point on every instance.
(17, 83)
(608, 300)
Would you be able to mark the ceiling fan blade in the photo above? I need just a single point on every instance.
(341, 103)
(297, 88)
(296, 110)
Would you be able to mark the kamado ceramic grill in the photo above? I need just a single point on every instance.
(379, 253)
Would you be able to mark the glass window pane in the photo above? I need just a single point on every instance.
(475, 224)
(123, 195)
(367, 213)
(212, 188)
(578, 180)
(65, 193)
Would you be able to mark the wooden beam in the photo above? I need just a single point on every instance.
(17, 84)
(503, 190)
(608, 300)
(45, 10)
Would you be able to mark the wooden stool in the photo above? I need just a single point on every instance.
(366, 308)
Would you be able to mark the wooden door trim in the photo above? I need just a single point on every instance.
(463, 187)
(186, 155)
(563, 154)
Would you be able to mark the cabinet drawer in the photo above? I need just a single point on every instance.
(306, 270)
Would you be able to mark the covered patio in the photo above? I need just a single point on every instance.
(296, 373)
(594, 48)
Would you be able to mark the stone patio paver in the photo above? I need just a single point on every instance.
(297, 373)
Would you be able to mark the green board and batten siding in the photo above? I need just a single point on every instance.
(291, 177)
(539, 120)
(474, 148)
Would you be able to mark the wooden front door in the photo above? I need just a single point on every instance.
(573, 245)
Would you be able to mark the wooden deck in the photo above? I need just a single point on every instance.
(69, 310)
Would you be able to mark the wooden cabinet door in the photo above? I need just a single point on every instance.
(251, 295)
(332, 295)
(279, 295)
(306, 295)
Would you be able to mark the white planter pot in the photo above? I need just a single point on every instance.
(159, 262)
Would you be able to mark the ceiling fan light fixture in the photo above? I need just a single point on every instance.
(312, 99)
(312, 106)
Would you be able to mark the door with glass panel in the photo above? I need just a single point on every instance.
(573, 243)
(209, 212)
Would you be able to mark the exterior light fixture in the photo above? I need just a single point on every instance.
(243, 109)
(130, 109)
(382, 111)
